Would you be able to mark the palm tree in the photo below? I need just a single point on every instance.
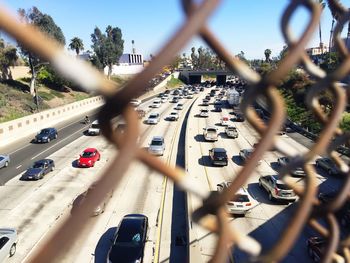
(337, 10)
(322, 4)
(267, 55)
(76, 44)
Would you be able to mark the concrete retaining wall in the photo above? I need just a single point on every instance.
(16, 129)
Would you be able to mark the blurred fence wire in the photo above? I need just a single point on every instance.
(212, 214)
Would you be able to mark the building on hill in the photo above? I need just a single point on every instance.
(128, 64)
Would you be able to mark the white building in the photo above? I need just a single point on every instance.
(315, 51)
(128, 64)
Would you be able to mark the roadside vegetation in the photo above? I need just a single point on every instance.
(173, 83)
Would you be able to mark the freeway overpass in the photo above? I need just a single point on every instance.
(195, 76)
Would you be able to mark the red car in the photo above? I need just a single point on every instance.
(89, 157)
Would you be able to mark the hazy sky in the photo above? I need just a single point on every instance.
(242, 25)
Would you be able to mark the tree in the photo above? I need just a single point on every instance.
(8, 57)
(337, 10)
(322, 4)
(108, 47)
(267, 53)
(76, 44)
(194, 57)
(45, 24)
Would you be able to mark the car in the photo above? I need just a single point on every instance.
(343, 213)
(129, 240)
(89, 157)
(164, 99)
(39, 169)
(276, 189)
(189, 96)
(8, 243)
(201, 89)
(218, 156)
(179, 106)
(217, 108)
(239, 117)
(153, 118)
(205, 102)
(173, 116)
(316, 247)
(246, 153)
(242, 201)
(224, 121)
(210, 133)
(156, 103)
(94, 128)
(4, 160)
(328, 165)
(157, 146)
(46, 135)
(299, 171)
(80, 199)
(204, 113)
(231, 131)
(135, 102)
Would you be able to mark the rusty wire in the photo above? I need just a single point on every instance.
(212, 214)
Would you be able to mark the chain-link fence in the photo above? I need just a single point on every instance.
(212, 215)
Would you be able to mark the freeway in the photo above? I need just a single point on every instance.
(35, 207)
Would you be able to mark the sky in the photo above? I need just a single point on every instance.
(241, 25)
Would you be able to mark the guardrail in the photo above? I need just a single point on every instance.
(212, 214)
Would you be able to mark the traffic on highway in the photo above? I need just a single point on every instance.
(198, 127)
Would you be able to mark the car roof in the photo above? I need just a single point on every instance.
(7, 231)
(43, 161)
(211, 127)
(90, 150)
(219, 150)
(48, 129)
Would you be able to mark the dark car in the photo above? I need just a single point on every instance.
(217, 108)
(328, 165)
(39, 169)
(317, 247)
(218, 156)
(239, 117)
(298, 171)
(46, 135)
(129, 240)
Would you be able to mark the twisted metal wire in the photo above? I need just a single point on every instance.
(211, 214)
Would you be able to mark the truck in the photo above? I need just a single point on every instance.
(232, 97)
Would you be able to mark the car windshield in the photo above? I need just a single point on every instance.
(129, 232)
(156, 142)
(45, 131)
(1, 158)
(153, 116)
(173, 113)
(87, 154)
(95, 126)
(282, 186)
(240, 198)
(220, 154)
(204, 111)
(231, 128)
(38, 165)
(211, 130)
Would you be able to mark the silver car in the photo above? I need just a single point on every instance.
(298, 171)
(276, 188)
(4, 160)
(231, 132)
(157, 145)
(8, 242)
(246, 153)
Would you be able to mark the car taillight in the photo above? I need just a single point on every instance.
(276, 191)
(248, 204)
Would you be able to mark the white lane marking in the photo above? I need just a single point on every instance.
(58, 143)
(19, 166)
(19, 149)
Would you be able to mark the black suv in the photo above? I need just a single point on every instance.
(129, 240)
(46, 135)
(218, 156)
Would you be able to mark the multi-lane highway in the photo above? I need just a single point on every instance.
(34, 207)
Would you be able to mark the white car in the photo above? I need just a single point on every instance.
(135, 102)
(241, 203)
(204, 113)
(210, 133)
(224, 121)
(179, 106)
(231, 132)
(157, 145)
(94, 128)
(8, 242)
(156, 103)
(153, 118)
(173, 116)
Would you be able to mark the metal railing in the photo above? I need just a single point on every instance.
(212, 215)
